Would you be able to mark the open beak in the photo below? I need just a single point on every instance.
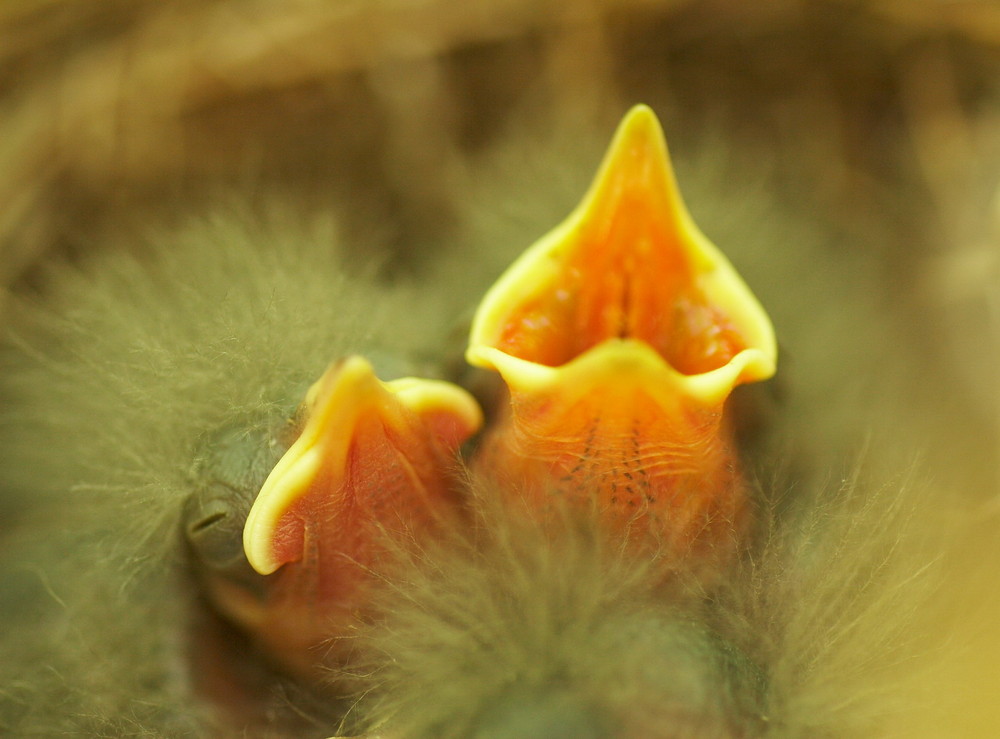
(620, 334)
(373, 463)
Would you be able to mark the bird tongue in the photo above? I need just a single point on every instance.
(619, 335)
(372, 465)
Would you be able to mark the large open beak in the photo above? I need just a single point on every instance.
(374, 461)
(620, 334)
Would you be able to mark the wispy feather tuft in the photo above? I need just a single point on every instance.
(537, 630)
(114, 386)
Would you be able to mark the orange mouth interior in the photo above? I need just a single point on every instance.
(629, 279)
(628, 264)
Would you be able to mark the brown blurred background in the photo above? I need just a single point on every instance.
(871, 126)
(877, 115)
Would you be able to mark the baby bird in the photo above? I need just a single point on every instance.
(635, 567)
(247, 499)
(151, 404)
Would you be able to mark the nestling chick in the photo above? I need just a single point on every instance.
(754, 606)
(146, 401)
(245, 465)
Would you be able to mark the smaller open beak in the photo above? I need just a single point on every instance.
(373, 459)
(620, 334)
(369, 449)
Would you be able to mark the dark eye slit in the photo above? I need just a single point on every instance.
(208, 521)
